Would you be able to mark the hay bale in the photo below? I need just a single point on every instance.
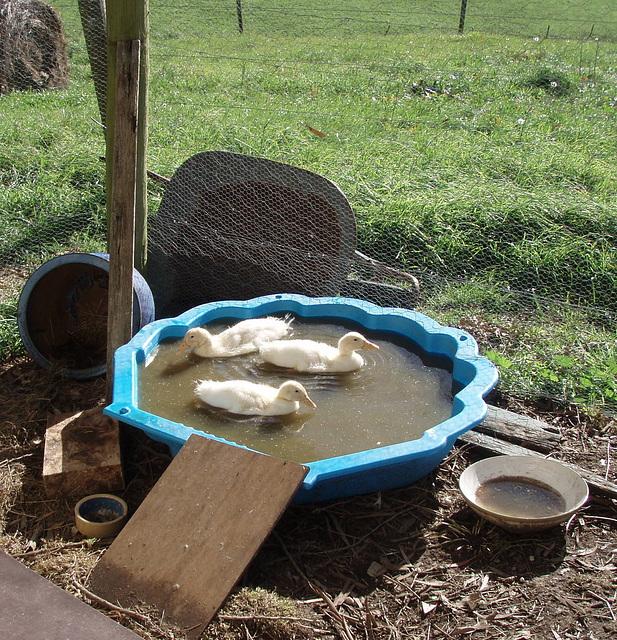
(33, 52)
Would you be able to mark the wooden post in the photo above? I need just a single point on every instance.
(121, 217)
(128, 20)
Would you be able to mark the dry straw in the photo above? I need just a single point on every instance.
(33, 51)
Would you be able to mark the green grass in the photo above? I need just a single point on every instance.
(541, 349)
(484, 162)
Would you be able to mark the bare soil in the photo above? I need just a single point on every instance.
(410, 563)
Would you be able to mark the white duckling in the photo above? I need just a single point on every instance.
(317, 357)
(244, 337)
(253, 399)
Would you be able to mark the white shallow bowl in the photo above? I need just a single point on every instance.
(548, 473)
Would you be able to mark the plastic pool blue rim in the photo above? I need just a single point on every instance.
(377, 469)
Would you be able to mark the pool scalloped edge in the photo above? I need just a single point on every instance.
(353, 474)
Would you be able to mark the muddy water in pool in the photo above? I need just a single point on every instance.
(393, 398)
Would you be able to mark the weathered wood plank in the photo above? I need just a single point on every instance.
(32, 608)
(196, 532)
(121, 218)
(129, 20)
(597, 484)
(519, 429)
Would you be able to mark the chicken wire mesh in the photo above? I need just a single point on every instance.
(232, 227)
(378, 103)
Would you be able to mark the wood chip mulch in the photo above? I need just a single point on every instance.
(412, 563)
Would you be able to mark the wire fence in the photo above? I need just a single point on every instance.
(473, 142)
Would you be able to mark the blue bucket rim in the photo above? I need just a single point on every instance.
(100, 260)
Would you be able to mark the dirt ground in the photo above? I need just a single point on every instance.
(409, 563)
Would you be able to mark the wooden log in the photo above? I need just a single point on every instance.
(522, 430)
(122, 215)
(597, 484)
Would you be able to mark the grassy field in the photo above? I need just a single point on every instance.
(484, 163)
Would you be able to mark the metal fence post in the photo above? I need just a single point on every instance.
(461, 20)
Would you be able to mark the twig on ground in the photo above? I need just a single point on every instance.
(335, 613)
(7, 462)
(108, 605)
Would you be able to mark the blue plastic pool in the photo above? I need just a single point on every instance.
(353, 474)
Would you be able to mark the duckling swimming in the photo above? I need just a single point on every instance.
(253, 399)
(318, 357)
(244, 337)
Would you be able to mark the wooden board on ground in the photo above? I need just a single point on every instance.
(32, 608)
(193, 536)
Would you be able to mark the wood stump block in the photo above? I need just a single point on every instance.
(82, 454)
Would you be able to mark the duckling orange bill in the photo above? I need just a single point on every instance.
(371, 346)
(184, 345)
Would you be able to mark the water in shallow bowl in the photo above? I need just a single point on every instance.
(520, 498)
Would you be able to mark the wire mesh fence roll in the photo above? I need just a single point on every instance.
(232, 226)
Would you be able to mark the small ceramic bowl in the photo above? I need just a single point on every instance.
(101, 515)
(533, 481)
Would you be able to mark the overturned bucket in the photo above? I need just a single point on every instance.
(62, 313)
